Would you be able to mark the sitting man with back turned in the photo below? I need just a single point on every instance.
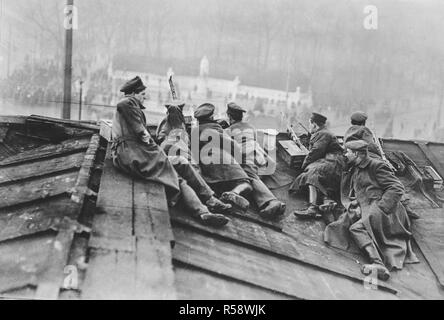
(135, 152)
(215, 151)
(253, 156)
(322, 170)
(358, 131)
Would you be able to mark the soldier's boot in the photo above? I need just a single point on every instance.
(217, 206)
(312, 212)
(273, 209)
(198, 210)
(236, 200)
(313, 209)
(213, 219)
(376, 264)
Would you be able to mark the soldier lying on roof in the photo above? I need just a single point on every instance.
(135, 152)
(375, 218)
(253, 157)
(215, 154)
(322, 170)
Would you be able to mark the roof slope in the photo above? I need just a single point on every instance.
(42, 190)
(141, 249)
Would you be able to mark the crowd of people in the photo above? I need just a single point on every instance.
(34, 84)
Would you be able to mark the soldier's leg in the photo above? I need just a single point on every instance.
(198, 184)
(365, 242)
(269, 206)
(313, 207)
(193, 204)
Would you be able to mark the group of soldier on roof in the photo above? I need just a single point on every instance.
(350, 186)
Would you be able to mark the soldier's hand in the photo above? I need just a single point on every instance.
(355, 211)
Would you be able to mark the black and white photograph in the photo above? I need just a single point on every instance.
(219, 155)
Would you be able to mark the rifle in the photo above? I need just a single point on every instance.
(172, 87)
(381, 151)
(303, 127)
(295, 138)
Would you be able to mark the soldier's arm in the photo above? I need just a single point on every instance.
(135, 122)
(392, 188)
(318, 150)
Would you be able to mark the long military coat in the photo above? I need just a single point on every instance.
(323, 164)
(216, 153)
(378, 192)
(136, 157)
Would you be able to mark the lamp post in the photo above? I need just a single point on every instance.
(69, 17)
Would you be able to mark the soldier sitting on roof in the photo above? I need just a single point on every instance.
(216, 159)
(322, 170)
(358, 131)
(135, 152)
(253, 156)
(375, 218)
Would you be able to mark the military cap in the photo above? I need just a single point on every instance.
(357, 145)
(133, 85)
(359, 116)
(205, 110)
(233, 107)
(318, 118)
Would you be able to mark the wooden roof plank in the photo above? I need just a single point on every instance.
(197, 284)
(261, 270)
(41, 188)
(116, 188)
(13, 119)
(110, 275)
(40, 168)
(241, 232)
(151, 213)
(35, 218)
(51, 280)
(154, 270)
(21, 260)
(428, 233)
(45, 151)
(69, 123)
(114, 222)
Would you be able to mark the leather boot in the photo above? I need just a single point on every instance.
(236, 200)
(312, 212)
(214, 219)
(217, 206)
(376, 264)
(273, 209)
